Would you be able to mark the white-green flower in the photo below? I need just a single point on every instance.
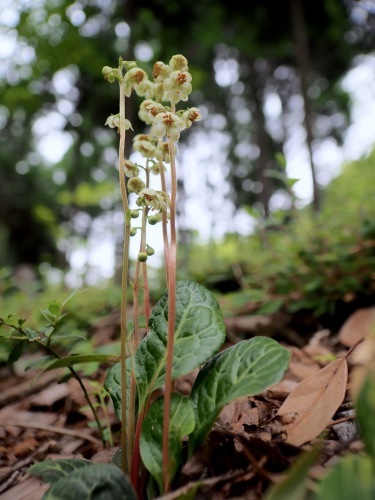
(178, 62)
(167, 124)
(160, 71)
(145, 147)
(113, 121)
(135, 185)
(145, 89)
(131, 169)
(177, 86)
(190, 116)
(133, 78)
(162, 152)
(158, 200)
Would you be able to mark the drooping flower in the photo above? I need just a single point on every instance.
(113, 121)
(158, 200)
(149, 109)
(133, 78)
(146, 147)
(145, 89)
(131, 169)
(162, 152)
(160, 71)
(191, 115)
(177, 86)
(167, 124)
(178, 62)
(135, 185)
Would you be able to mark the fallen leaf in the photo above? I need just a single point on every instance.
(363, 359)
(311, 405)
(359, 324)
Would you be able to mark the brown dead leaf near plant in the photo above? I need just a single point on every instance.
(309, 408)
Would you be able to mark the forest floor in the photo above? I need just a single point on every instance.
(245, 453)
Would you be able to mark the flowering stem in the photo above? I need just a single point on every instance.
(126, 457)
(171, 318)
(164, 219)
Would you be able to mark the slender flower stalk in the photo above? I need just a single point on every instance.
(126, 456)
(171, 315)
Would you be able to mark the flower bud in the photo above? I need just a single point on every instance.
(109, 73)
(150, 250)
(134, 214)
(135, 185)
(133, 231)
(152, 220)
(142, 256)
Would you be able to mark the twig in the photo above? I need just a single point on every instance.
(51, 428)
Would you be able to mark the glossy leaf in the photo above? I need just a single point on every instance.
(112, 384)
(95, 482)
(52, 471)
(181, 424)
(245, 369)
(200, 331)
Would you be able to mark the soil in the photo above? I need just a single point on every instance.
(245, 453)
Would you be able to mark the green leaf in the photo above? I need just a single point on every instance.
(352, 478)
(365, 406)
(112, 384)
(10, 321)
(244, 369)
(38, 362)
(84, 358)
(271, 306)
(181, 424)
(96, 482)
(293, 486)
(49, 330)
(199, 333)
(52, 471)
(16, 352)
(54, 308)
(31, 334)
(51, 318)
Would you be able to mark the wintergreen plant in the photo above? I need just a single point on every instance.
(185, 329)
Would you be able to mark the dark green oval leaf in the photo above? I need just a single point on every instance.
(181, 424)
(97, 482)
(16, 352)
(200, 331)
(52, 471)
(112, 384)
(245, 369)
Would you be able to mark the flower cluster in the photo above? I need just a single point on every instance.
(170, 84)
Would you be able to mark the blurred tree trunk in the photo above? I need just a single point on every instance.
(303, 65)
(262, 140)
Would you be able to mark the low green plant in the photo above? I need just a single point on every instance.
(185, 329)
(48, 339)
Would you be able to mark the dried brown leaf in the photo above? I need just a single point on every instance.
(311, 405)
(359, 324)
